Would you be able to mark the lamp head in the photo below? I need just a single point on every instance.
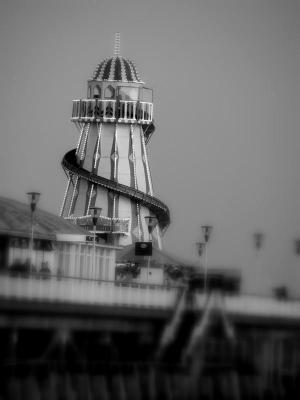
(258, 240)
(200, 248)
(33, 198)
(151, 223)
(297, 247)
(206, 230)
(95, 213)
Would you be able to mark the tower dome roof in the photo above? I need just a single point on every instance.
(117, 68)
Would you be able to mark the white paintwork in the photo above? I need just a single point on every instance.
(87, 292)
(63, 237)
(110, 293)
(156, 276)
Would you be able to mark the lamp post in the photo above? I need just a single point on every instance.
(95, 213)
(151, 224)
(200, 249)
(206, 230)
(33, 198)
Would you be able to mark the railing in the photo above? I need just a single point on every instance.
(128, 111)
(51, 288)
(249, 306)
(111, 110)
(94, 109)
(146, 110)
(259, 306)
(104, 224)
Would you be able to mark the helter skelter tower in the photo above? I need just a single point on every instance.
(109, 168)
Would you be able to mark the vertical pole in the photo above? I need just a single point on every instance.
(94, 252)
(206, 229)
(148, 264)
(31, 244)
(205, 269)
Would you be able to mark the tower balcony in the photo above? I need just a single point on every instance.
(123, 111)
(104, 224)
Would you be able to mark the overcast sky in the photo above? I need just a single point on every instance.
(225, 76)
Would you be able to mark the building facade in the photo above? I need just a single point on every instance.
(60, 249)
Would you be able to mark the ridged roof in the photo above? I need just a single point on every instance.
(117, 68)
(158, 256)
(15, 219)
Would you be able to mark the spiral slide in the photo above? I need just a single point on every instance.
(159, 209)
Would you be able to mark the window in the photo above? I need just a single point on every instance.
(128, 93)
(99, 264)
(60, 259)
(66, 267)
(82, 260)
(77, 261)
(89, 261)
(109, 92)
(146, 95)
(106, 268)
(97, 91)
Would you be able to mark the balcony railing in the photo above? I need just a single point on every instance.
(98, 110)
(104, 224)
(50, 288)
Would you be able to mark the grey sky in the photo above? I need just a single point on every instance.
(226, 95)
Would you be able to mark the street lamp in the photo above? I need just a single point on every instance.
(95, 213)
(206, 230)
(151, 224)
(200, 248)
(297, 246)
(33, 198)
(258, 238)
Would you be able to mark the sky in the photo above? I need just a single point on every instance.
(225, 76)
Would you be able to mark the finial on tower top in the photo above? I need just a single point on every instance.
(117, 44)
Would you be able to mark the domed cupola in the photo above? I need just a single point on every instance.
(117, 68)
(117, 77)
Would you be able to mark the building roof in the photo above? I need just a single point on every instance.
(158, 257)
(15, 220)
(117, 68)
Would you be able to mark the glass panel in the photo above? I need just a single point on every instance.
(97, 91)
(67, 259)
(128, 93)
(82, 260)
(89, 262)
(109, 92)
(146, 95)
(99, 264)
(77, 260)
(60, 259)
(106, 273)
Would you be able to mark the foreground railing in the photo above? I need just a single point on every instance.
(259, 306)
(52, 288)
(255, 306)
